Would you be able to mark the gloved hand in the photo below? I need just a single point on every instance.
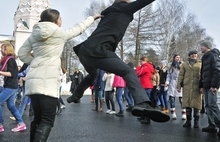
(113, 90)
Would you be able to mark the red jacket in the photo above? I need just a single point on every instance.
(145, 73)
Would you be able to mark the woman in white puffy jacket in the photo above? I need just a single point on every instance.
(43, 79)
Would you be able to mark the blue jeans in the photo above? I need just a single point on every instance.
(9, 95)
(163, 98)
(99, 94)
(23, 103)
(119, 91)
(172, 101)
(148, 91)
(212, 109)
(128, 96)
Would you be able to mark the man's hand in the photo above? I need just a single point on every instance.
(179, 90)
(213, 90)
(97, 16)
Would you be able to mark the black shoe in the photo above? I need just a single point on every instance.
(145, 121)
(129, 108)
(187, 124)
(120, 114)
(218, 133)
(209, 129)
(72, 99)
(145, 110)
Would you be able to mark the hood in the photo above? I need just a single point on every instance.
(216, 51)
(44, 30)
(149, 66)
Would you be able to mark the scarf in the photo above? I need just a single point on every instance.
(4, 62)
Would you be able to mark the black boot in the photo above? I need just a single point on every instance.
(144, 109)
(188, 117)
(33, 131)
(42, 133)
(196, 118)
(188, 121)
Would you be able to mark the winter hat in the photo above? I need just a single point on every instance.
(192, 51)
(164, 62)
(207, 44)
(131, 65)
(157, 68)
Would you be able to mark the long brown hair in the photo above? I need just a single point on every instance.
(145, 59)
(173, 65)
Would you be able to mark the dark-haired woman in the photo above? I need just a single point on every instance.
(43, 79)
(171, 83)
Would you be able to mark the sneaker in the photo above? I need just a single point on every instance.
(174, 116)
(112, 112)
(209, 129)
(1, 128)
(62, 106)
(12, 118)
(19, 127)
(108, 111)
(120, 114)
(145, 110)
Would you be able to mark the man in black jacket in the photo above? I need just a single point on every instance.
(98, 52)
(209, 84)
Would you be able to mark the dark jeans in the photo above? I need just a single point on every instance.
(154, 96)
(44, 109)
(113, 65)
(109, 95)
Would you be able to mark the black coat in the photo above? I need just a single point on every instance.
(110, 30)
(210, 71)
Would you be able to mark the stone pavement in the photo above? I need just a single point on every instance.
(78, 123)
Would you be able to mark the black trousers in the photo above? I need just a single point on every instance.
(44, 109)
(112, 65)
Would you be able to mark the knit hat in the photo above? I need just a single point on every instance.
(164, 62)
(207, 44)
(192, 51)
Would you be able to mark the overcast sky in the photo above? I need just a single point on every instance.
(207, 12)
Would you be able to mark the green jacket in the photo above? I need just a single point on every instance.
(189, 77)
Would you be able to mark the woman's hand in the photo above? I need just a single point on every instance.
(97, 16)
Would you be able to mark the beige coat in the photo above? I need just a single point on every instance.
(190, 76)
(47, 41)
